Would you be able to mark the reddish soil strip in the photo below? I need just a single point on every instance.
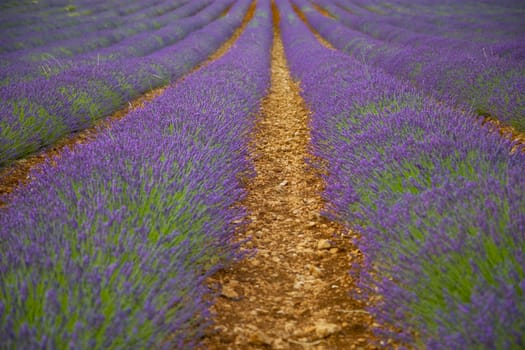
(18, 173)
(322, 11)
(225, 12)
(507, 132)
(318, 36)
(293, 293)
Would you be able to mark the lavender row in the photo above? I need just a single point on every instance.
(378, 27)
(30, 12)
(498, 27)
(488, 21)
(111, 20)
(439, 200)
(37, 113)
(488, 85)
(137, 45)
(484, 22)
(479, 21)
(111, 247)
(66, 16)
(171, 28)
(18, 21)
(95, 39)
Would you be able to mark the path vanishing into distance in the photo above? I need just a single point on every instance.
(293, 292)
(292, 287)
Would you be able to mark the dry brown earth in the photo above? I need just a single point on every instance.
(294, 292)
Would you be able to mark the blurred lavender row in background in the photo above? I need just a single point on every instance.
(36, 113)
(140, 45)
(476, 80)
(98, 44)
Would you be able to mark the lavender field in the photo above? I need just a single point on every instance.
(110, 244)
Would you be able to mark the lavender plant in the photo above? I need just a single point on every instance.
(110, 247)
(488, 85)
(69, 20)
(380, 27)
(17, 68)
(35, 113)
(45, 16)
(438, 199)
(487, 21)
(153, 17)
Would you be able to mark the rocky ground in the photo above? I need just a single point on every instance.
(293, 293)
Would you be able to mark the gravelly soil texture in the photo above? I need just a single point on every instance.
(293, 293)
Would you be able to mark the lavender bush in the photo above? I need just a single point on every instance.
(16, 68)
(379, 27)
(67, 20)
(438, 198)
(489, 85)
(46, 16)
(110, 247)
(34, 114)
(479, 21)
(154, 17)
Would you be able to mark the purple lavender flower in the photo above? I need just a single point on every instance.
(438, 198)
(129, 226)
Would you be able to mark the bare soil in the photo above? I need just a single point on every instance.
(322, 11)
(293, 293)
(506, 131)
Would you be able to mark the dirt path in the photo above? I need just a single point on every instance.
(293, 294)
(506, 131)
(17, 174)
